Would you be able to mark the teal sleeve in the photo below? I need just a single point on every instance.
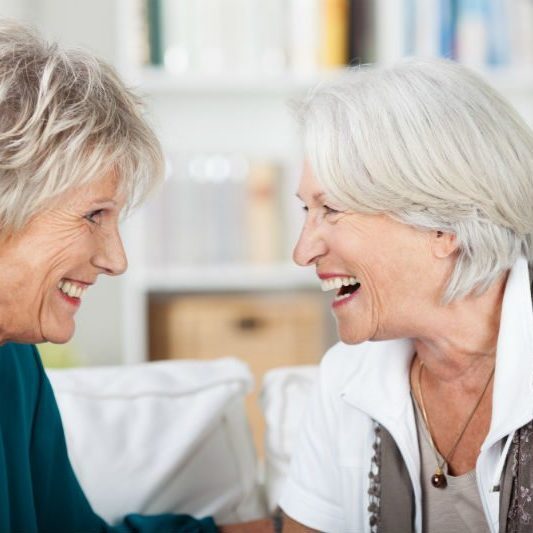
(43, 494)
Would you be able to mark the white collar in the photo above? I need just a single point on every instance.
(512, 405)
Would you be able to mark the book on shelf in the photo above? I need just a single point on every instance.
(498, 35)
(263, 213)
(216, 37)
(303, 33)
(137, 20)
(361, 32)
(476, 32)
(334, 33)
(521, 33)
(272, 45)
(447, 33)
(428, 27)
(216, 209)
(176, 35)
(389, 30)
(154, 19)
(471, 31)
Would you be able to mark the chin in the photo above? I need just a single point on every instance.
(370, 331)
(59, 336)
(351, 337)
(59, 339)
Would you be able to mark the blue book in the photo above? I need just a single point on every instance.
(448, 24)
(497, 25)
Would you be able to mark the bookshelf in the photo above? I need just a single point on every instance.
(243, 110)
(219, 118)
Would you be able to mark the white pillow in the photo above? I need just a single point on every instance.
(162, 437)
(284, 395)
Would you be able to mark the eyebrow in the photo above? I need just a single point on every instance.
(316, 196)
(104, 201)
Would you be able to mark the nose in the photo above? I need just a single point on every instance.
(111, 256)
(310, 246)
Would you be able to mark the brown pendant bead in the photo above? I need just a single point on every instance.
(439, 481)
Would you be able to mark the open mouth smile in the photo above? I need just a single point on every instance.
(72, 291)
(346, 287)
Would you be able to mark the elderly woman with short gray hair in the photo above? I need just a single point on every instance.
(418, 200)
(75, 153)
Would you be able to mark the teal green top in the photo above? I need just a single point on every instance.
(39, 491)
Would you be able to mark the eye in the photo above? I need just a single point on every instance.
(94, 216)
(330, 210)
(305, 208)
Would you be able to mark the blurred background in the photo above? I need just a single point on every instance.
(210, 271)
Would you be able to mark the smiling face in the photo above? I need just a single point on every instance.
(47, 266)
(388, 270)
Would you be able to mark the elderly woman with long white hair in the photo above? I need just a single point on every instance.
(418, 199)
(75, 153)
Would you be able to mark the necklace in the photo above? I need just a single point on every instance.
(438, 479)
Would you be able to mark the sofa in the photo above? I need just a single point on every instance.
(173, 436)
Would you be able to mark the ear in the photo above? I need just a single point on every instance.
(443, 244)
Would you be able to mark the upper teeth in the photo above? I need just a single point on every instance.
(71, 289)
(337, 283)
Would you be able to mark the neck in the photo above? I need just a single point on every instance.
(458, 344)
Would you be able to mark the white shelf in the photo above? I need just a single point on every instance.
(226, 277)
(156, 81)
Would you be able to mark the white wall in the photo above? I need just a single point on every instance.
(98, 323)
(18, 9)
(87, 23)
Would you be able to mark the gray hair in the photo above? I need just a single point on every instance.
(431, 144)
(65, 119)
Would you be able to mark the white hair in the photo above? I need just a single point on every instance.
(431, 144)
(65, 119)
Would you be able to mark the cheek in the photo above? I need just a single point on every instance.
(64, 262)
(66, 253)
(55, 317)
